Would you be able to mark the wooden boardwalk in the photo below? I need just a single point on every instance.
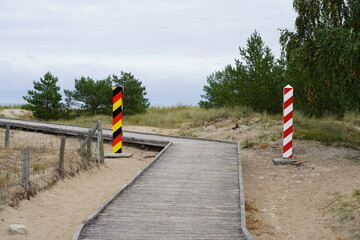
(192, 191)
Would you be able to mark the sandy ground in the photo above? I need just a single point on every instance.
(16, 113)
(56, 213)
(305, 202)
(289, 202)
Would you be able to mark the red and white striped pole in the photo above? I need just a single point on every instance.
(288, 121)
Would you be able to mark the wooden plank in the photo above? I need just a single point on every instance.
(115, 196)
(191, 193)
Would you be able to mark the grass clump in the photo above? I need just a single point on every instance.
(248, 144)
(345, 207)
(355, 159)
(187, 133)
(356, 195)
(326, 130)
(37, 167)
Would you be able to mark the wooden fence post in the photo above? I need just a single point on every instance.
(89, 135)
(100, 144)
(61, 157)
(7, 136)
(87, 143)
(88, 146)
(26, 169)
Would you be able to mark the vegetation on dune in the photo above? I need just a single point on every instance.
(90, 97)
(328, 129)
(180, 116)
(88, 121)
(95, 97)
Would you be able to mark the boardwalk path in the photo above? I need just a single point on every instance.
(192, 191)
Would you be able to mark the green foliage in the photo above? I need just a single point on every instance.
(323, 55)
(255, 81)
(93, 97)
(26, 107)
(134, 93)
(220, 90)
(45, 99)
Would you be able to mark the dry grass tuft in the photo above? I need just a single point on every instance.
(346, 209)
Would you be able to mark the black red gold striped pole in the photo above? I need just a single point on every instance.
(117, 119)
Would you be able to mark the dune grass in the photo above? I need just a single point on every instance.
(11, 106)
(87, 121)
(328, 130)
(181, 116)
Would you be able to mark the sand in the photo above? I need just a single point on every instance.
(16, 113)
(290, 202)
(56, 213)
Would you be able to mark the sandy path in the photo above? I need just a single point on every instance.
(56, 213)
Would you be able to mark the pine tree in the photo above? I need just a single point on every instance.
(255, 81)
(134, 93)
(45, 99)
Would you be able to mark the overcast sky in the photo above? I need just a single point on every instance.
(169, 45)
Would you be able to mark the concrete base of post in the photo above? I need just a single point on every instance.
(118, 155)
(283, 161)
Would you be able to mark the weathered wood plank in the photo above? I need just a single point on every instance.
(192, 194)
